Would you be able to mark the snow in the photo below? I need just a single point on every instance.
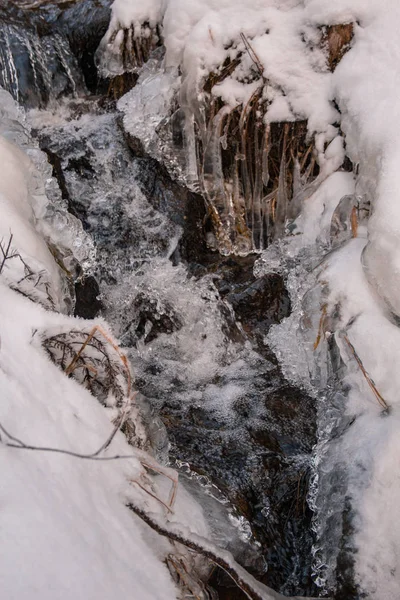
(359, 284)
(315, 219)
(65, 530)
(207, 33)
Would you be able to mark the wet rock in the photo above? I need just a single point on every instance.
(224, 586)
(256, 303)
(182, 206)
(37, 68)
(262, 465)
(260, 304)
(85, 23)
(347, 589)
(87, 303)
(80, 24)
(146, 320)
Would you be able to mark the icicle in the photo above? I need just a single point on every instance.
(213, 182)
(282, 193)
(296, 202)
(265, 204)
(256, 217)
(265, 155)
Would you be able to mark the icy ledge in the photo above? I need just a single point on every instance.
(343, 338)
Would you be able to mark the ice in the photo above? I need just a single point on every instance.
(33, 208)
(35, 69)
(147, 106)
(268, 66)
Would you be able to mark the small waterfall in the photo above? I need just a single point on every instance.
(37, 69)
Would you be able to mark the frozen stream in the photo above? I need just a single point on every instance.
(228, 411)
(261, 321)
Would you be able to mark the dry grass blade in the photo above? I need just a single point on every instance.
(253, 55)
(354, 222)
(94, 360)
(150, 493)
(321, 326)
(368, 378)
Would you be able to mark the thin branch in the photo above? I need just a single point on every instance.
(246, 582)
(169, 509)
(17, 443)
(251, 52)
(145, 460)
(369, 379)
(10, 436)
(5, 253)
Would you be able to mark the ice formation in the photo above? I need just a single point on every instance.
(231, 74)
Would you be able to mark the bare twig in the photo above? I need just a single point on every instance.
(145, 460)
(168, 507)
(246, 582)
(6, 252)
(253, 55)
(368, 378)
(19, 444)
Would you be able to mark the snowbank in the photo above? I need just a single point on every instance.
(208, 33)
(66, 530)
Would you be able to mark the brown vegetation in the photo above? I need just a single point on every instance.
(337, 40)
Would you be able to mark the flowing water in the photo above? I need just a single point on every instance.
(192, 322)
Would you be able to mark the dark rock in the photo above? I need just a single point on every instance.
(146, 322)
(52, 47)
(261, 304)
(87, 303)
(182, 206)
(262, 466)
